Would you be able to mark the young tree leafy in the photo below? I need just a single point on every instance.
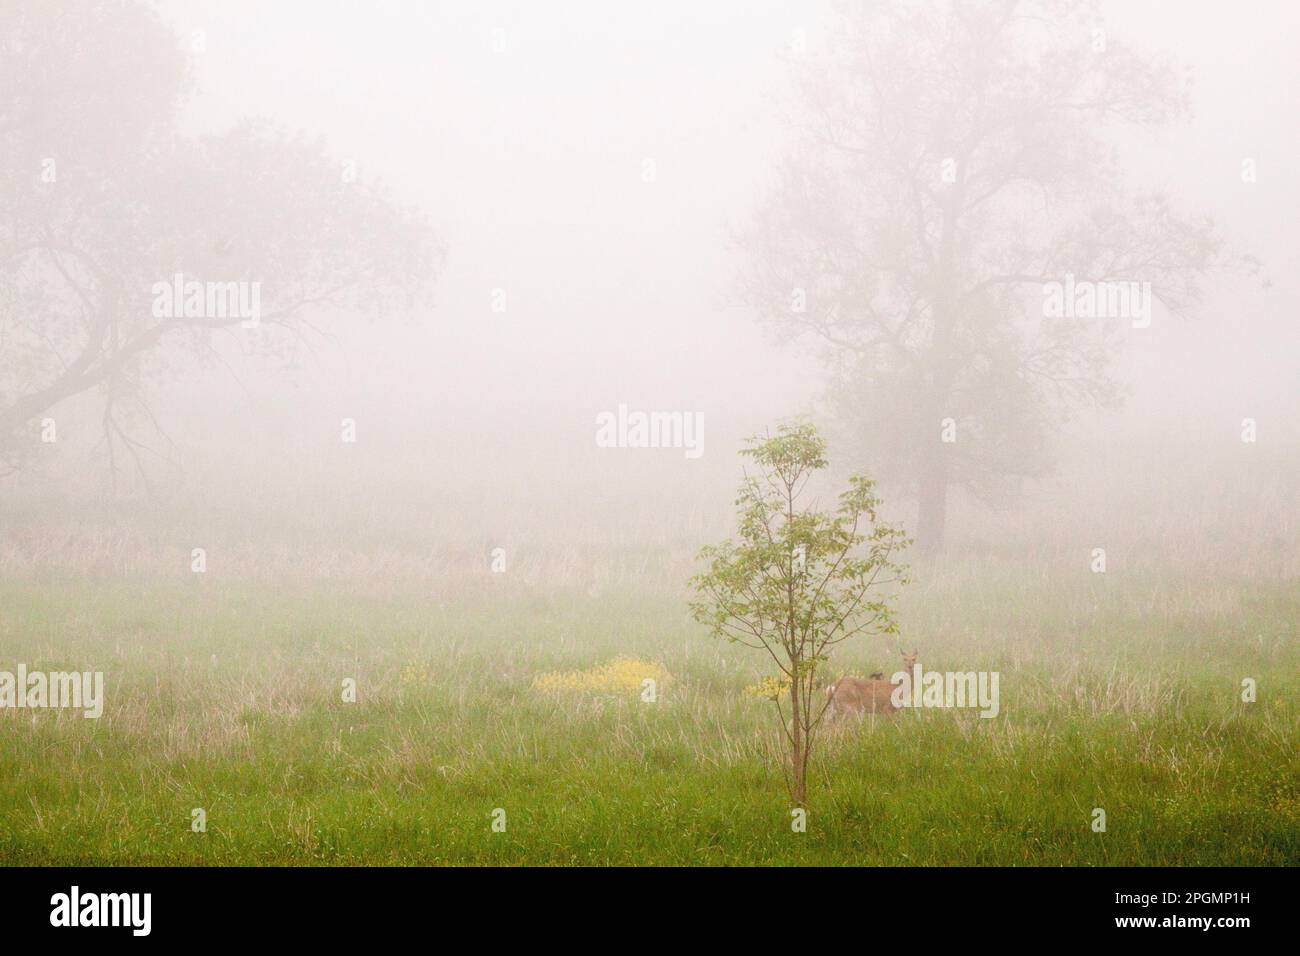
(798, 581)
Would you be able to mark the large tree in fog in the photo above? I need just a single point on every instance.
(951, 159)
(102, 197)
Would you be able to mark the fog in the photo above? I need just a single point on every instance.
(418, 416)
(588, 172)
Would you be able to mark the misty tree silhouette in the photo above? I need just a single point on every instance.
(105, 202)
(952, 159)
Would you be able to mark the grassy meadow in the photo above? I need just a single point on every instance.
(1117, 691)
(368, 349)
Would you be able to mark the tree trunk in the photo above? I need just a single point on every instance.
(932, 463)
(798, 778)
(932, 508)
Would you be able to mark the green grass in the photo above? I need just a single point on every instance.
(1120, 694)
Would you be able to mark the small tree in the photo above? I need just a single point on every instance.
(799, 581)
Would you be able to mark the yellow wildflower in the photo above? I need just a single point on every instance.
(623, 675)
(769, 688)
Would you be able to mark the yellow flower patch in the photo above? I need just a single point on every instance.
(769, 688)
(623, 675)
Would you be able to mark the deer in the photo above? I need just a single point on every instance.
(854, 695)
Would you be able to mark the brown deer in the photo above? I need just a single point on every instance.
(854, 695)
